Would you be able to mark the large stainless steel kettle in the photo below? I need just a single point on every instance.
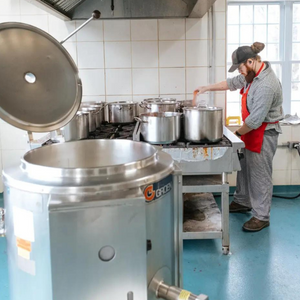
(203, 124)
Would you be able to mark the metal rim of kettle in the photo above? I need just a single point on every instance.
(32, 168)
(44, 178)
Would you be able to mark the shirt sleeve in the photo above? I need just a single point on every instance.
(262, 103)
(237, 82)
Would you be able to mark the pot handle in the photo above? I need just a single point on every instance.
(142, 105)
(140, 120)
(120, 107)
(202, 105)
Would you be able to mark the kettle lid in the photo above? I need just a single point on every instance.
(40, 88)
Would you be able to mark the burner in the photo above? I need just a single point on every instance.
(123, 137)
(128, 127)
(125, 133)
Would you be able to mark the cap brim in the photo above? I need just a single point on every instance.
(233, 68)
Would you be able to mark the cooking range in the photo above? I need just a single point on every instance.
(131, 132)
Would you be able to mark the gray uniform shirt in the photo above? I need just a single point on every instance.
(264, 100)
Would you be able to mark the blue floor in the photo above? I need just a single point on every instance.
(263, 265)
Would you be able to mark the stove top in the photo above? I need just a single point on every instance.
(113, 131)
(126, 132)
(182, 143)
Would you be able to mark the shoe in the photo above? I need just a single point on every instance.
(237, 208)
(255, 225)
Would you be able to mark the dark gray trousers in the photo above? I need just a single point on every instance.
(254, 186)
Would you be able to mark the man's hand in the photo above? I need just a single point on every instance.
(201, 90)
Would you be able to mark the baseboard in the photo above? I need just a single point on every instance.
(279, 189)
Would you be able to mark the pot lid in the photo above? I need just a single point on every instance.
(122, 102)
(206, 108)
(160, 101)
(40, 88)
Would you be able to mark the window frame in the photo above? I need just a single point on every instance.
(285, 45)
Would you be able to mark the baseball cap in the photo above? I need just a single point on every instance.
(240, 55)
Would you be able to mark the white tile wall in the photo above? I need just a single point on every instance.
(196, 29)
(286, 163)
(145, 81)
(220, 25)
(144, 54)
(139, 98)
(119, 82)
(40, 21)
(286, 135)
(11, 158)
(118, 98)
(176, 96)
(281, 177)
(29, 9)
(220, 60)
(295, 177)
(196, 77)
(221, 102)
(220, 74)
(91, 33)
(92, 82)
(90, 55)
(172, 54)
(220, 5)
(10, 7)
(71, 47)
(117, 55)
(93, 98)
(171, 29)
(61, 29)
(13, 138)
(196, 53)
(295, 130)
(282, 159)
(172, 80)
(295, 160)
(10, 19)
(144, 30)
(117, 30)
(199, 99)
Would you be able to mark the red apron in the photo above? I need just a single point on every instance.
(254, 139)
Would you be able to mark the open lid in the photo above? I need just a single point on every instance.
(40, 89)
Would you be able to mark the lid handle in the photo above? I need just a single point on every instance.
(95, 15)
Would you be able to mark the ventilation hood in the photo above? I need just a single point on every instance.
(125, 9)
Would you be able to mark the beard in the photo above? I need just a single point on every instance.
(250, 75)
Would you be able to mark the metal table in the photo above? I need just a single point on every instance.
(205, 169)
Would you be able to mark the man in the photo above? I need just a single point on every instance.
(261, 111)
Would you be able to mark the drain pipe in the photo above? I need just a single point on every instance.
(167, 292)
(211, 53)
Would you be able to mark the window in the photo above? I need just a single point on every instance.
(295, 94)
(264, 22)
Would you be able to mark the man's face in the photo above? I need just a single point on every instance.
(245, 68)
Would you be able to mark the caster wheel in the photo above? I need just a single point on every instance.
(225, 250)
